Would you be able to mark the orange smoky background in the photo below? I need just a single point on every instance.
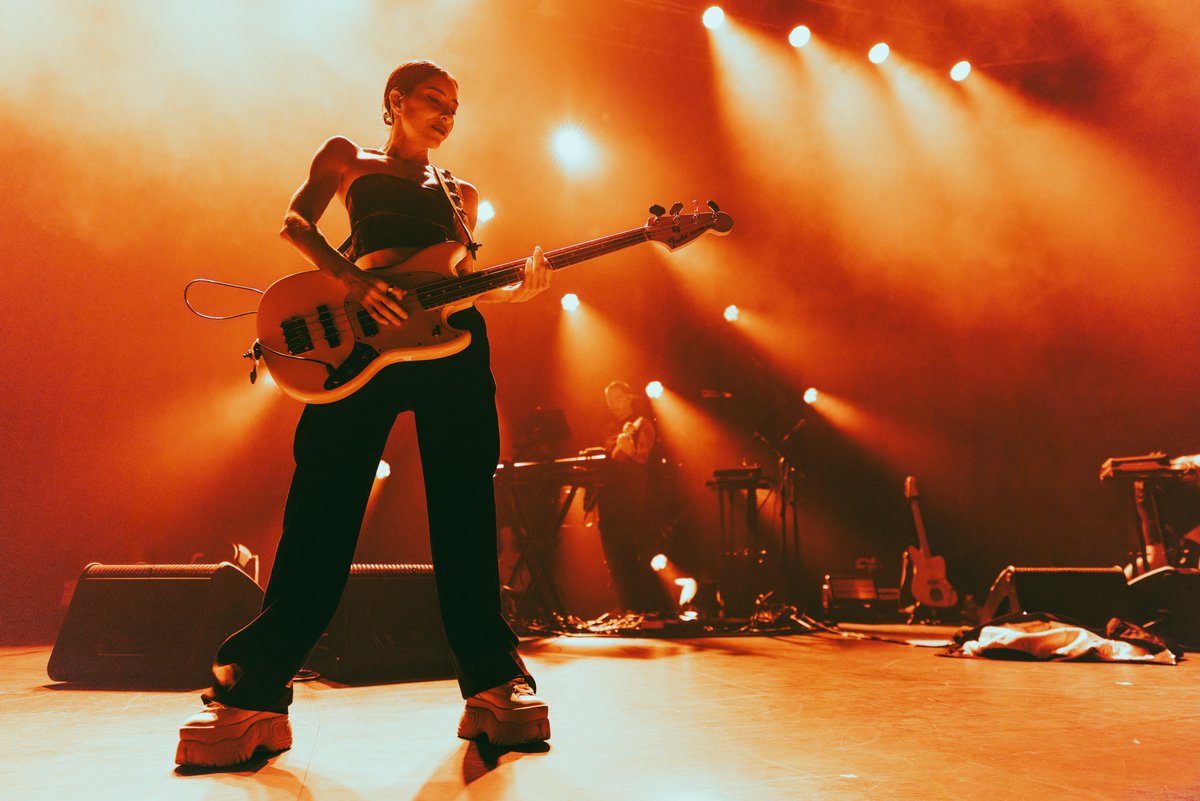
(992, 280)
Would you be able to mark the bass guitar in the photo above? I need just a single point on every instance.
(321, 345)
(929, 584)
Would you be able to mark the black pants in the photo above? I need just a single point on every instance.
(337, 450)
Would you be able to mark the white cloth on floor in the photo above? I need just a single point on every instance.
(1050, 639)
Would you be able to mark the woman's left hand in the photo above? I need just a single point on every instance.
(536, 280)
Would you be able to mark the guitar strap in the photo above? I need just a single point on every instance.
(453, 193)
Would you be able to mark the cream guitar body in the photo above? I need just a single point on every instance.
(339, 345)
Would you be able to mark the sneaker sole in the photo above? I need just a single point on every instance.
(532, 726)
(272, 735)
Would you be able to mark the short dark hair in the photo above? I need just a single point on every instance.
(407, 76)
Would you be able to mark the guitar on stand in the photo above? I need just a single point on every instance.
(924, 573)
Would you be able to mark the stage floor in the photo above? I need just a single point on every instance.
(794, 717)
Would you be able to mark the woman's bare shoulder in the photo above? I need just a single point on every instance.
(339, 147)
(470, 193)
(341, 159)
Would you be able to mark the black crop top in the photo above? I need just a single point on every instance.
(389, 212)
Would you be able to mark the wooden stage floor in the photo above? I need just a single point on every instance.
(793, 717)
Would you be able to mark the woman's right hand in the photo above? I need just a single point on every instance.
(380, 298)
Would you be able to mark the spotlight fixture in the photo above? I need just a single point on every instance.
(654, 389)
(383, 471)
(811, 395)
(732, 312)
(879, 53)
(800, 36)
(658, 562)
(570, 302)
(714, 17)
(960, 70)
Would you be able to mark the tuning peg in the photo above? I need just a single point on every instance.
(676, 207)
(713, 205)
(657, 210)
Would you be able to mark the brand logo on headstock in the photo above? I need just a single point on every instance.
(681, 238)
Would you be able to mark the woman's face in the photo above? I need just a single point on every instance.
(426, 114)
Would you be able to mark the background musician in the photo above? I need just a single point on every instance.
(628, 525)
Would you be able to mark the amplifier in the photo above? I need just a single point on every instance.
(388, 628)
(1088, 595)
(151, 625)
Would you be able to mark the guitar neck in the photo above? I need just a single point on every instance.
(452, 290)
(924, 543)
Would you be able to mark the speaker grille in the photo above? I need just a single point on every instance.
(97, 570)
(372, 569)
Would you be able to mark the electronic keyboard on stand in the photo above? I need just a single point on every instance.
(1147, 473)
(530, 498)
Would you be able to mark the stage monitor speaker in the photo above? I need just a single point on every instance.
(151, 625)
(1088, 595)
(1166, 601)
(388, 628)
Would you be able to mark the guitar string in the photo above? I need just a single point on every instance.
(468, 286)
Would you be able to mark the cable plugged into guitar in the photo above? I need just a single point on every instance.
(254, 354)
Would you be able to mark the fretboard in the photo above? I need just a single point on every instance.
(441, 293)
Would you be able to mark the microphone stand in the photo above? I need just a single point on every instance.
(789, 518)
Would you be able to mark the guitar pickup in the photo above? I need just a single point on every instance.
(367, 323)
(296, 335)
(325, 318)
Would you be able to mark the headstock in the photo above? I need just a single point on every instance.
(910, 488)
(675, 229)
